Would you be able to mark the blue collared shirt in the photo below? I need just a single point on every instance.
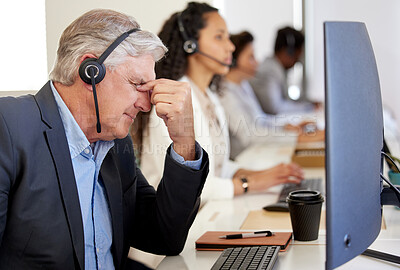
(86, 162)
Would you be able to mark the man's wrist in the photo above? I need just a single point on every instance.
(186, 150)
(193, 164)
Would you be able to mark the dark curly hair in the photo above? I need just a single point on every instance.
(174, 65)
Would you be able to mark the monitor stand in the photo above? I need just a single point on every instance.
(389, 196)
(382, 256)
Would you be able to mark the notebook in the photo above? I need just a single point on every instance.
(210, 240)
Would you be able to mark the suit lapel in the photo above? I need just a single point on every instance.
(112, 183)
(59, 149)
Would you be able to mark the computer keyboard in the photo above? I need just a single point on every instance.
(307, 184)
(255, 257)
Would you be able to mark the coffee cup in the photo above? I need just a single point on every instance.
(305, 213)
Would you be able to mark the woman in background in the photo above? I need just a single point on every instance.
(247, 121)
(200, 48)
(244, 114)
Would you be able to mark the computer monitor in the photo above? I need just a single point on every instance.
(354, 140)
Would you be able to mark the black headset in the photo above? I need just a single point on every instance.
(190, 45)
(92, 70)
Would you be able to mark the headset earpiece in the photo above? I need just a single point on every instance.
(190, 45)
(99, 72)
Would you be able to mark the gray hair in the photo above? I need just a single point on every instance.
(92, 33)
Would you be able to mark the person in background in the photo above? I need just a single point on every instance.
(71, 195)
(246, 118)
(248, 123)
(270, 82)
(200, 48)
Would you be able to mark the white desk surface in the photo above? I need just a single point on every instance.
(230, 214)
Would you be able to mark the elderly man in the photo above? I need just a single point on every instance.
(71, 195)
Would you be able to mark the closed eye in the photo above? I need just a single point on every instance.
(136, 84)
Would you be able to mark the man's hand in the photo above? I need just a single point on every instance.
(173, 103)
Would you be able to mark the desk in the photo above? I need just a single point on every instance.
(228, 215)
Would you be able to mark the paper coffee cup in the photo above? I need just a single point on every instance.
(305, 213)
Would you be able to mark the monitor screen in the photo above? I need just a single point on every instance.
(354, 140)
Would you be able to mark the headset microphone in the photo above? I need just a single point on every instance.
(92, 70)
(215, 59)
(92, 76)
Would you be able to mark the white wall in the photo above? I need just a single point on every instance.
(23, 45)
(260, 17)
(383, 23)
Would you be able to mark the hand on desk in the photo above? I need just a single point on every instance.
(316, 136)
(261, 180)
(307, 132)
(305, 127)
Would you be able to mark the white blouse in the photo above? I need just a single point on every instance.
(248, 123)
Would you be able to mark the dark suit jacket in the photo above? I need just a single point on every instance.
(40, 217)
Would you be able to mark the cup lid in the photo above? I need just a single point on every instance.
(305, 196)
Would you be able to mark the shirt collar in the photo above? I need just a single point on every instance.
(77, 140)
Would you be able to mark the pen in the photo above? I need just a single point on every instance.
(247, 235)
